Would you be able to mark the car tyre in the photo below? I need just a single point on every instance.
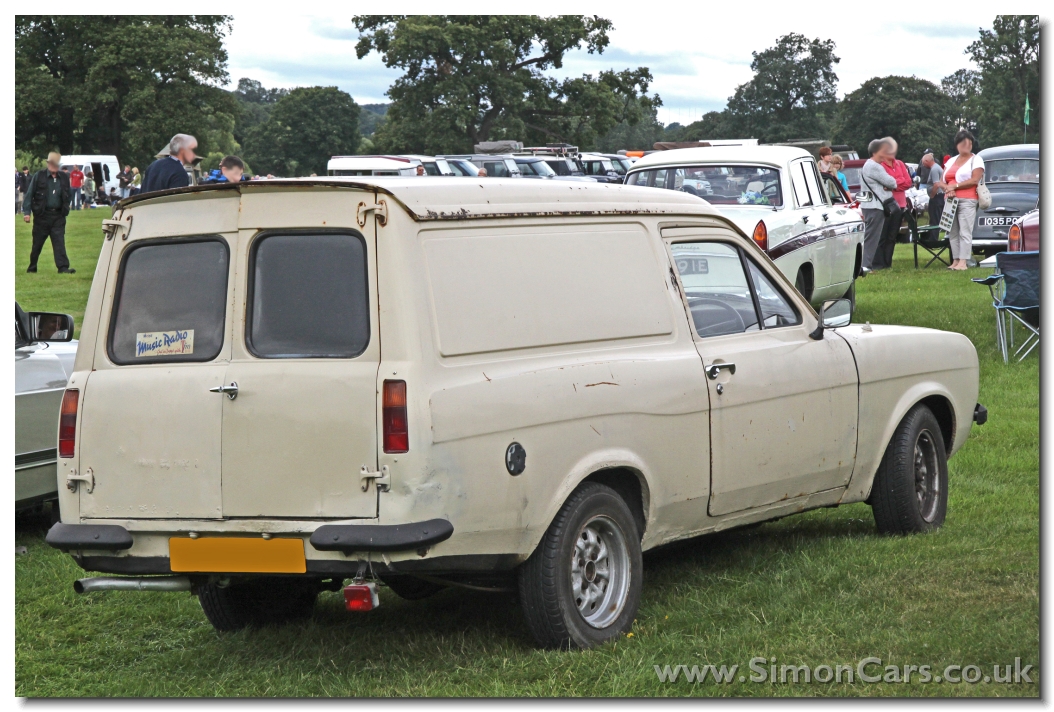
(803, 283)
(267, 600)
(581, 587)
(411, 588)
(910, 491)
(850, 294)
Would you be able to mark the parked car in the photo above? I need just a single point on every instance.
(851, 170)
(600, 168)
(621, 164)
(462, 167)
(433, 166)
(568, 376)
(497, 166)
(44, 351)
(1024, 233)
(772, 193)
(1012, 176)
(372, 166)
(538, 167)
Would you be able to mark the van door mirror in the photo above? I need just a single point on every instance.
(834, 314)
(50, 326)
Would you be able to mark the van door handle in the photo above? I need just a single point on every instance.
(231, 390)
(714, 369)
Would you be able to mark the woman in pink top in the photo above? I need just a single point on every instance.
(961, 177)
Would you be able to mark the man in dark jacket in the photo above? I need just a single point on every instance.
(48, 199)
(167, 171)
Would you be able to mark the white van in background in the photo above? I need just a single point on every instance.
(372, 166)
(104, 169)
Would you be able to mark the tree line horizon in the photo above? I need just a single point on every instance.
(124, 85)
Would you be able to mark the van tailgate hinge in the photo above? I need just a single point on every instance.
(88, 478)
(110, 228)
(383, 478)
(379, 210)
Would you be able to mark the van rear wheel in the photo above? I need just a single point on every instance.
(581, 587)
(267, 600)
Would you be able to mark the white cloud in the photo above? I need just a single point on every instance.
(697, 57)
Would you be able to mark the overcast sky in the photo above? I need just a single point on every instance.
(697, 59)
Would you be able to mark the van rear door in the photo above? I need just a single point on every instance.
(305, 359)
(150, 428)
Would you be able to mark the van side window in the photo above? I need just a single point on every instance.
(171, 302)
(715, 287)
(721, 297)
(776, 309)
(308, 296)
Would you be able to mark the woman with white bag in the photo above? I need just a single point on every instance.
(962, 177)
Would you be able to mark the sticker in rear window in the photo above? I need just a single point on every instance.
(165, 343)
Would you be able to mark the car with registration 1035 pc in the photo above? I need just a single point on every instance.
(336, 383)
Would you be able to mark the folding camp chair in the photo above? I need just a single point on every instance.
(1015, 293)
(929, 239)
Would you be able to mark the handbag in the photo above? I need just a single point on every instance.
(984, 196)
(889, 205)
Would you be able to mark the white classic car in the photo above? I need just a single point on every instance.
(44, 353)
(776, 195)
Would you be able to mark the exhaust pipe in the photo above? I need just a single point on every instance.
(126, 583)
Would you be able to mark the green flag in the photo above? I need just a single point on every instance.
(1028, 109)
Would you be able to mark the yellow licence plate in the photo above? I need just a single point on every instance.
(237, 555)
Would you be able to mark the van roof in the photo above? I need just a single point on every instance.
(777, 155)
(428, 198)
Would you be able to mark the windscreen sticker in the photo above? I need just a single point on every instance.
(165, 343)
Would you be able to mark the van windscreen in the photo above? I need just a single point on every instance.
(171, 302)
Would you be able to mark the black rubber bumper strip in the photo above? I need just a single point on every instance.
(347, 538)
(102, 537)
(980, 414)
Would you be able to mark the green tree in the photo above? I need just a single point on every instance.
(306, 127)
(254, 105)
(1007, 57)
(962, 88)
(476, 78)
(792, 94)
(915, 112)
(121, 84)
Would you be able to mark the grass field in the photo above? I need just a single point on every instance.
(814, 589)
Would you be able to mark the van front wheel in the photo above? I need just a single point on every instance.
(267, 600)
(581, 587)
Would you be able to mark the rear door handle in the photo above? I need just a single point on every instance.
(714, 369)
(231, 390)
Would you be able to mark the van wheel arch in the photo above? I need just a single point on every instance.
(631, 486)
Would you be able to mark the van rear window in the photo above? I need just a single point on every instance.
(171, 302)
(308, 296)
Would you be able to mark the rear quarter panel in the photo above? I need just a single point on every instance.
(898, 367)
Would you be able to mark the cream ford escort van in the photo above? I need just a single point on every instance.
(284, 385)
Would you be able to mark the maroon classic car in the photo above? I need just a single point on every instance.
(1024, 233)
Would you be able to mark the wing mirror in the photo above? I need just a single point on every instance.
(834, 313)
(50, 326)
(916, 181)
(864, 196)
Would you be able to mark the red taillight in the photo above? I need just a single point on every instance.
(761, 235)
(1015, 238)
(68, 423)
(396, 435)
(361, 597)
